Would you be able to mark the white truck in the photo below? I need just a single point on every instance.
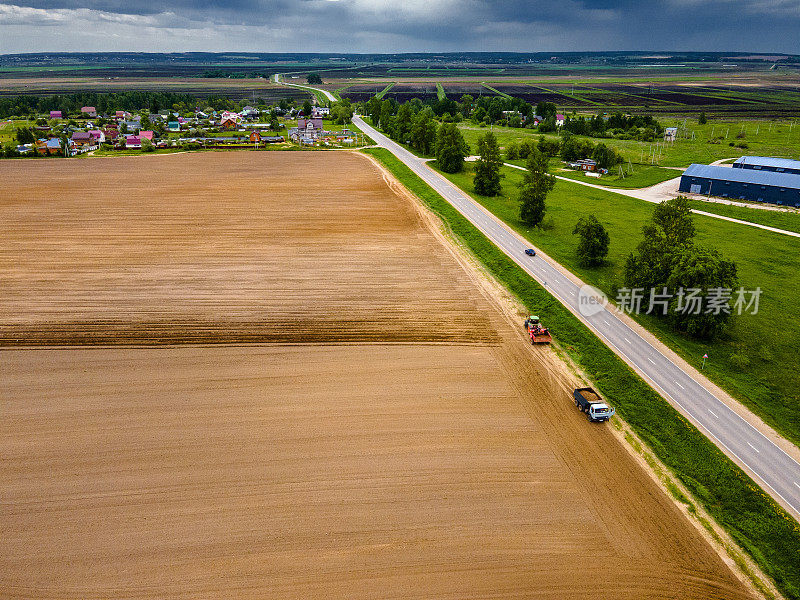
(592, 404)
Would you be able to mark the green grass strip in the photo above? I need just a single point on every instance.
(788, 220)
(752, 518)
(382, 93)
(440, 91)
(495, 90)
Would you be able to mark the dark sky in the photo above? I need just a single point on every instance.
(399, 25)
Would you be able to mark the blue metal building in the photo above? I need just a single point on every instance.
(742, 184)
(767, 163)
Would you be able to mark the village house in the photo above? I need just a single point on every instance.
(111, 134)
(560, 120)
(249, 111)
(320, 111)
(56, 114)
(97, 136)
(48, 146)
(174, 126)
(89, 111)
(229, 123)
(81, 138)
(133, 141)
(146, 135)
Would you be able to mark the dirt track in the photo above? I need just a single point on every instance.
(426, 468)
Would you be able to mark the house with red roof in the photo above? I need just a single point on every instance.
(146, 134)
(97, 135)
(559, 120)
(55, 114)
(89, 111)
(229, 123)
(133, 141)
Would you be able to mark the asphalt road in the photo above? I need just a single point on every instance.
(777, 472)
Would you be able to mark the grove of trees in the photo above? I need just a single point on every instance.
(667, 259)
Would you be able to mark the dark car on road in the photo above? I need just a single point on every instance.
(530, 252)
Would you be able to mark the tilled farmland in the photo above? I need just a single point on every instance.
(384, 431)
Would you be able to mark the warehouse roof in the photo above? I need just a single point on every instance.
(783, 180)
(768, 161)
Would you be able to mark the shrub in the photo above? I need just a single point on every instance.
(739, 360)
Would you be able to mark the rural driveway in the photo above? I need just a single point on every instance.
(764, 460)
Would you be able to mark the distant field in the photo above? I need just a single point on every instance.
(235, 88)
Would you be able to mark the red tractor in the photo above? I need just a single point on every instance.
(539, 334)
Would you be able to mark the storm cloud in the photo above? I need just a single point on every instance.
(399, 25)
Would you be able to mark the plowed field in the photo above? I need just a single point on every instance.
(387, 433)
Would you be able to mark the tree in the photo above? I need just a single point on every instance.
(466, 104)
(548, 147)
(512, 151)
(386, 116)
(668, 258)
(606, 157)
(671, 229)
(25, 135)
(536, 184)
(274, 124)
(594, 241)
(314, 78)
(342, 112)
(546, 110)
(404, 121)
(307, 108)
(423, 132)
(487, 167)
(525, 148)
(703, 269)
(373, 109)
(451, 149)
(147, 145)
(703, 119)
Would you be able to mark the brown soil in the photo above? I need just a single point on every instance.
(447, 463)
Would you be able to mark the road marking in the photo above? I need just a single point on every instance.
(651, 360)
(797, 484)
(679, 385)
(713, 413)
(753, 447)
(626, 339)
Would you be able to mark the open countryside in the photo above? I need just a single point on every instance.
(299, 358)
